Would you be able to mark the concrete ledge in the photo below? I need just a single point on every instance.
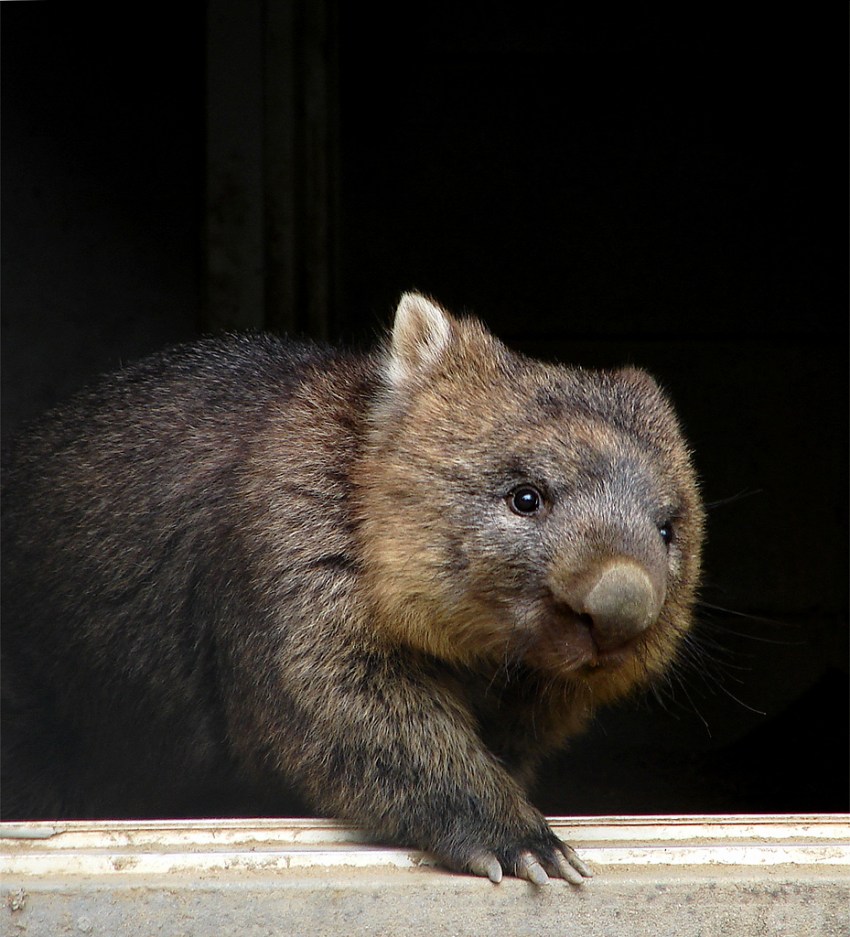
(680, 876)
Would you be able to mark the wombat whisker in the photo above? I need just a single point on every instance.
(740, 496)
(702, 604)
(699, 650)
(694, 656)
(702, 648)
(696, 710)
(663, 693)
(760, 639)
(725, 690)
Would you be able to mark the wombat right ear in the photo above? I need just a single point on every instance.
(421, 335)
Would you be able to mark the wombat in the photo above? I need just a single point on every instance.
(390, 582)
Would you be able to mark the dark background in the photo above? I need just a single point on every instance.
(652, 186)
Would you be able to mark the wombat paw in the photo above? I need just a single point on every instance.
(537, 864)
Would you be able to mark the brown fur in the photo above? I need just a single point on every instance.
(244, 568)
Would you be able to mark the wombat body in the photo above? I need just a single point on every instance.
(390, 583)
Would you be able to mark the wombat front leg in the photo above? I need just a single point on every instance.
(388, 748)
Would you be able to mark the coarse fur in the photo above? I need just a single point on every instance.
(245, 567)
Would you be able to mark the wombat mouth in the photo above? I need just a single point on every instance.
(566, 644)
(609, 658)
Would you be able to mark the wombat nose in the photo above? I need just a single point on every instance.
(621, 602)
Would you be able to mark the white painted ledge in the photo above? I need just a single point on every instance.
(677, 875)
(168, 846)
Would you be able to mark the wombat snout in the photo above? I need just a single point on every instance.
(617, 601)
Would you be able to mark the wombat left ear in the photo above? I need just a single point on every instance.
(422, 333)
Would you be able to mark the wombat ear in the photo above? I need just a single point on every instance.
(421, 334)
(638, 378)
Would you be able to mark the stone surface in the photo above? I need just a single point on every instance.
(784, 877)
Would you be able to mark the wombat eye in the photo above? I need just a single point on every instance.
(666, 531)
(525, 500)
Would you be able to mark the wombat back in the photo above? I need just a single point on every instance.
(124, 513)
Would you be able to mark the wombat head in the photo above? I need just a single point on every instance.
(516, 511)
